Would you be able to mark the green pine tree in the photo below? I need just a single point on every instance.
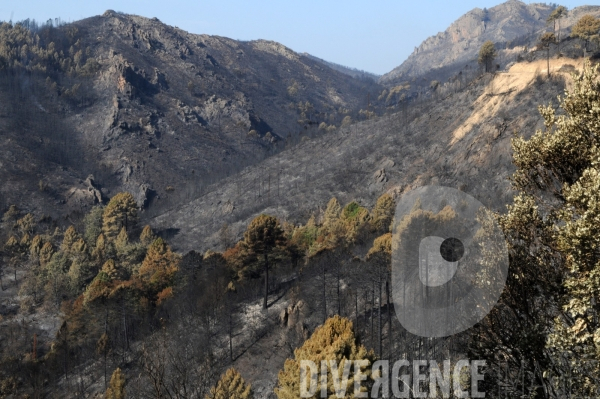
(487, 54)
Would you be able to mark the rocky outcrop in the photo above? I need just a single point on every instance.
(293, 318)
(142, 195)
(84, 197)
(508, 24)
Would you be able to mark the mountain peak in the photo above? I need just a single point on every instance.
(459, 43)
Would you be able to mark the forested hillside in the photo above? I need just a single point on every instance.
(189, 216)
(150, 109)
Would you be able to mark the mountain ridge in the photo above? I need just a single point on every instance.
(354, 72)
(164, 113)
(508, 24)
(462, 140)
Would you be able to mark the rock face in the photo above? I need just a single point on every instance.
(165, 113)
(509, 24)
(293, 317)
(462, 141)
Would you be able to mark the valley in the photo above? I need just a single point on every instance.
(186, 215)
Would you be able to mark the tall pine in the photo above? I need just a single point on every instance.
(121, 212)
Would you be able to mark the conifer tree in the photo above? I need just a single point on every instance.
(79, 247)
(147, 236)
(159, 266)
(587, 29)
(57, 285)
(334, 340)
(116, 389)
(26, 224)
(261, 237)
(11, 247)
(379, 256)
(11, 215)
(46, 253)
(355, 218)
(121, 212)
(305, 237)
(101, 249)
(332, 212)
(25, 241)
(80, 270)
(92, 223)
(11, 243)
(383, 213)
(555, 16)
(121, 241)
(226, 237)
(546, 40)
(35, 247)
(69, 238)
(487, 54)
(110, 270)
(231, 386)
(103, 349)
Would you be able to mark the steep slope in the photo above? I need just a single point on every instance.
(355, 73)
(510, 24)
(461, 141)
(163, 112)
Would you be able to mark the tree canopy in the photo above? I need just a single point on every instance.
(587, 29)
(383, 213)
(334, 340)
(558, 13)
(487, 54)
(231, 386)
(554, 17)
(262, 236)
(116, 389)
(120, 212)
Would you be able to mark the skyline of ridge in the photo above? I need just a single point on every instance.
(371, 39)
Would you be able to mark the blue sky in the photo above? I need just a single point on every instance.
(374, 36)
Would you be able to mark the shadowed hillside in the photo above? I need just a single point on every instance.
(461, 140)
(152, 109)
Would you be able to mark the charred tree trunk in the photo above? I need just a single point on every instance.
(338, 290)
(356, 310)
(389, 315)
(265, 305)
(548, 59)
(230, 333)
(380, 325)
(373, 315)
(324, 292)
